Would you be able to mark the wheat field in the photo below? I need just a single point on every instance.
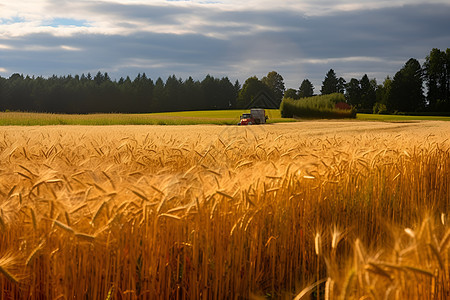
(329, 210)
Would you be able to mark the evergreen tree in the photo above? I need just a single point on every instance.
(385, 90)
(341, 85)
(226, 93)
(236, 89)
(173, 92)
(306, 89)
(159, 96)
(353, 93)
(193, 97)
(209, 88)
(142, 92)
(330, 83)
(368, 93)
(437, 76)
(407, 92)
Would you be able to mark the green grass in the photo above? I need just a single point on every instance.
(218, 117)
(316, 107)
(399, 118)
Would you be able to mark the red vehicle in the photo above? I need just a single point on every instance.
(256, 116)
(247, 119)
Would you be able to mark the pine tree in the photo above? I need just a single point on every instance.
(330, 84)
(306, 89)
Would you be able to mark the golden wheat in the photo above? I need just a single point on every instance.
(225, 212)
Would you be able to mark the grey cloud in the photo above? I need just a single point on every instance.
(105, 52)
(241, 43)
(167, 14)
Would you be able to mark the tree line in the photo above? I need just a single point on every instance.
(94, 94)
(402, 93)
(91, 94)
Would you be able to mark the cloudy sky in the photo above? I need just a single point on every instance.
(297, 38)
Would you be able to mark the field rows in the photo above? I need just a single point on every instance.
(213, 212)
(218, 117)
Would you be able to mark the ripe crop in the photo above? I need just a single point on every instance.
(225, 212)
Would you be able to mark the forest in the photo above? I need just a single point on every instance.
(95, 94)
(415, 88)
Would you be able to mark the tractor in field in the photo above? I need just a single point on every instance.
(256, 116)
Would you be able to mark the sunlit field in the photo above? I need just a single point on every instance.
(217, 117)
(322, 209)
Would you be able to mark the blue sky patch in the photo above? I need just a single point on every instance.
(12, 20)
(57, 22)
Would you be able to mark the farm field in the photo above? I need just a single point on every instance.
(217, 117)
(399, 118)
(327, 209)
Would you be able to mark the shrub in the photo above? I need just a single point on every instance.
(324, 106)
(379, 108)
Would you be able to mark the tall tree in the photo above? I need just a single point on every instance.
(385, 90)
(406, 91)
(143, 91)
(236, 89)
(341, 85)
(306, 89)
(219, 93)
(330, 83)
(250, 89)
(382, 96)
(209, 87)
(353, 93)
(193, 95)
(174, 93)
(227, 93)
(99, 78)
(159, 96)
(275, 83)
(437, 76)
(368, 93)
